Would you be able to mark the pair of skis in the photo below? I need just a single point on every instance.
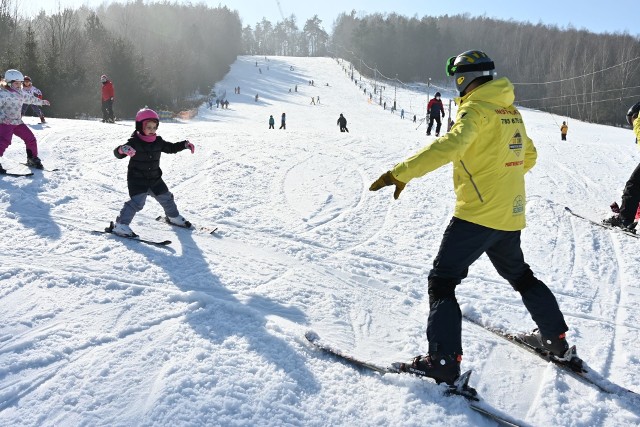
(109, 230)
(572, 365)
(459, 388)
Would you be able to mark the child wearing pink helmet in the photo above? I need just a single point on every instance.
(144, 176)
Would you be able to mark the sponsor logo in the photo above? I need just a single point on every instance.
(515, 144)
(518, 205)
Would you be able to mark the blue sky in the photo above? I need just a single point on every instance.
(618, 16)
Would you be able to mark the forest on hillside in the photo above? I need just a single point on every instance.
(165, 60)
(570, 72)
(176, 54)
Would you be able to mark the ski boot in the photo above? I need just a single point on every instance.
(179, 221)
(617, 221)
(443, 369)
(121, 230)
(34, 162)
(555, 348)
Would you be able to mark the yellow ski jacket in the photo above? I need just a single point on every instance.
(490, 151)
(636, 129)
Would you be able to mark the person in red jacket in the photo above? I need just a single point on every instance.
(107, 100)
(434, 109)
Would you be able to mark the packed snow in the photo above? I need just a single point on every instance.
(209, 331)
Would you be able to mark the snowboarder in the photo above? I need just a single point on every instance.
(342, 122)
(434, 110)
(144, 176)
(272, 122)
(563, 131)
(108, 95)
(625, 218)
(11, 100)
(28, 87)
(283, 122)
(488, 217)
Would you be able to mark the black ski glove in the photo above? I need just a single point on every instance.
(387, 179)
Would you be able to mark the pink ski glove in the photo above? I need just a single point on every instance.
(190, 146)
(127, 150)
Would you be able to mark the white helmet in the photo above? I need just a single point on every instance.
(13, 75)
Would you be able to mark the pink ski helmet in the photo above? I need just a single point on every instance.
(146, 114)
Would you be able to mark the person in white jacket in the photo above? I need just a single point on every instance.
(28, 87)
(12, 97)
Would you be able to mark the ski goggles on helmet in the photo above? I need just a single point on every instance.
(452, 69)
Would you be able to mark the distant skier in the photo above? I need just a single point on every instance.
(313, 101)
(256, 97)
(29, 88)
(402, 113)
(434, 110)
(11, 100)
(108, 96)
(283, 121)
(490, 157)
(144, 176)
(627, 212)
(342, 122)
(563, 131)
(272, 122)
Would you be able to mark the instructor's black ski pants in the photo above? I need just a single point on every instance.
(631, 197)
(463, 243)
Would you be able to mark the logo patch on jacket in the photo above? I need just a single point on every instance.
(516, 143)
(518, 205)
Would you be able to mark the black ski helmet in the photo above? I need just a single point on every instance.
(437, 94)
(633, 113)
(468, 66)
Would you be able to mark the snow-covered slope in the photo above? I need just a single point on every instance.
(102, 331)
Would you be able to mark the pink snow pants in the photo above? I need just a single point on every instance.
(23, 132)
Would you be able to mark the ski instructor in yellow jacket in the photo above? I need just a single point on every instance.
(491, 152)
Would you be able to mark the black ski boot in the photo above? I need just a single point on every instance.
(2, 170)
(555, 346)
(443, 369)
(34, 162)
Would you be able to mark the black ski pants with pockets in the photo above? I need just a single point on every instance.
(463, 243)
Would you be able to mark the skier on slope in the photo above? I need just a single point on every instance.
(108, 96)
(342, 122)
(144, 176)
(629, 208)
(29, 88)
(12, 98)
(434, 109)
(490, 157)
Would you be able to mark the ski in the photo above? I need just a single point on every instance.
(575, 366)
(460, 388)
(600, 224)
(135, 237)
(16, 174)
(188, 226)
(43, 169)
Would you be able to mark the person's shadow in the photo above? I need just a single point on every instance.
(223, 314)
(27, 208)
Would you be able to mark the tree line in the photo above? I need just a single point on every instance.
(570, 72)
(285, 38)
(162, 54)
(176, 52)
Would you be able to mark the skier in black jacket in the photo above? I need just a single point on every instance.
(342, 122)
(144, 176)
